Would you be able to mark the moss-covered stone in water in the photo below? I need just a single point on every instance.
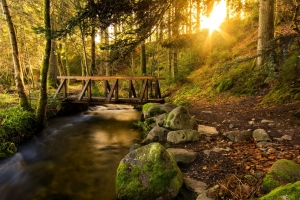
(289, 191)
(146, 107)
(156, 110)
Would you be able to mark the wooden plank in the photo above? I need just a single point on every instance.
(144, 94)
(131, 91)
(62, 84)
(112, 90)
(87, 83)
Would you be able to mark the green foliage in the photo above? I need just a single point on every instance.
(53, 107)
(15, 123)
(146, 107)
(224, 85)
(144, 127)
(279, 94)
(218, 56)
(289, 191)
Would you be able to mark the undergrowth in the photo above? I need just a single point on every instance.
(16, 123)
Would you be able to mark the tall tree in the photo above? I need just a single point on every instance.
(265, 30)
(23, 101)
(42, 102)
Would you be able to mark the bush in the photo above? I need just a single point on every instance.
(16, 124)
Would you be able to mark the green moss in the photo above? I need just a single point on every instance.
(149, 121)
(147, 106)
(289, 191)
(282, 172)
(156, 110)
(171, 117)
(147, 179)
(270, 183)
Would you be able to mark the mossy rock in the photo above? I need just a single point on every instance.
(282, 172)
(289, 191)
(152, 109)
(148, 172)
(179, 118)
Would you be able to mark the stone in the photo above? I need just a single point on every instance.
(134, 147)
(261, 135)
(283, 171)
(207, 130)
(287, 137)
(159, 119)
(157, 134)
(215, 149)
(286, 192)
(207, 112)
(251, 122)
(197, 186)
(183, 136)
(182, 155)
(153, 109)
(237, 136)
(265, 121)
(203, 197)
(179, 119)
(148, 172)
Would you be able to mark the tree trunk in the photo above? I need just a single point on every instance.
(23, 101)
(143, 59)
(198, 16)
(42, 102)
(108, 70)
(93, 52)
(265, 30)
(53, 66)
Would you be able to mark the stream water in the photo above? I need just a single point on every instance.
(74, 158)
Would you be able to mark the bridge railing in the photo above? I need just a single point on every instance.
(112, 88)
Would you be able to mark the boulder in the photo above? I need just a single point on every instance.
(157, 134)
(237, 136)
(281, 172)
(289, 191)
(207, 130)
(179, 119)
(182, 155)
(153, 109)
(183, 136)
(159, 119)
(261, 135)
(148, 172)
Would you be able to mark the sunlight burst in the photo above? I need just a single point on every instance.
(216, 17)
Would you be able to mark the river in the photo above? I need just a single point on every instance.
(73, 158)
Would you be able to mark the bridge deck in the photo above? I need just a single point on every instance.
(115, 89)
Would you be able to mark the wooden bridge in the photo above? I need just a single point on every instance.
(110, 89)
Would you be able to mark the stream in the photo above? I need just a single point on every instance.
(73, 158)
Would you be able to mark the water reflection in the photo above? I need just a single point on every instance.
(76, 157)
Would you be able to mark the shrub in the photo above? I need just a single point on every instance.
(16, 124)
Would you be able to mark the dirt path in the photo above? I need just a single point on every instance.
(229, 166)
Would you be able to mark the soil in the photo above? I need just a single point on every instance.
(228, 167)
